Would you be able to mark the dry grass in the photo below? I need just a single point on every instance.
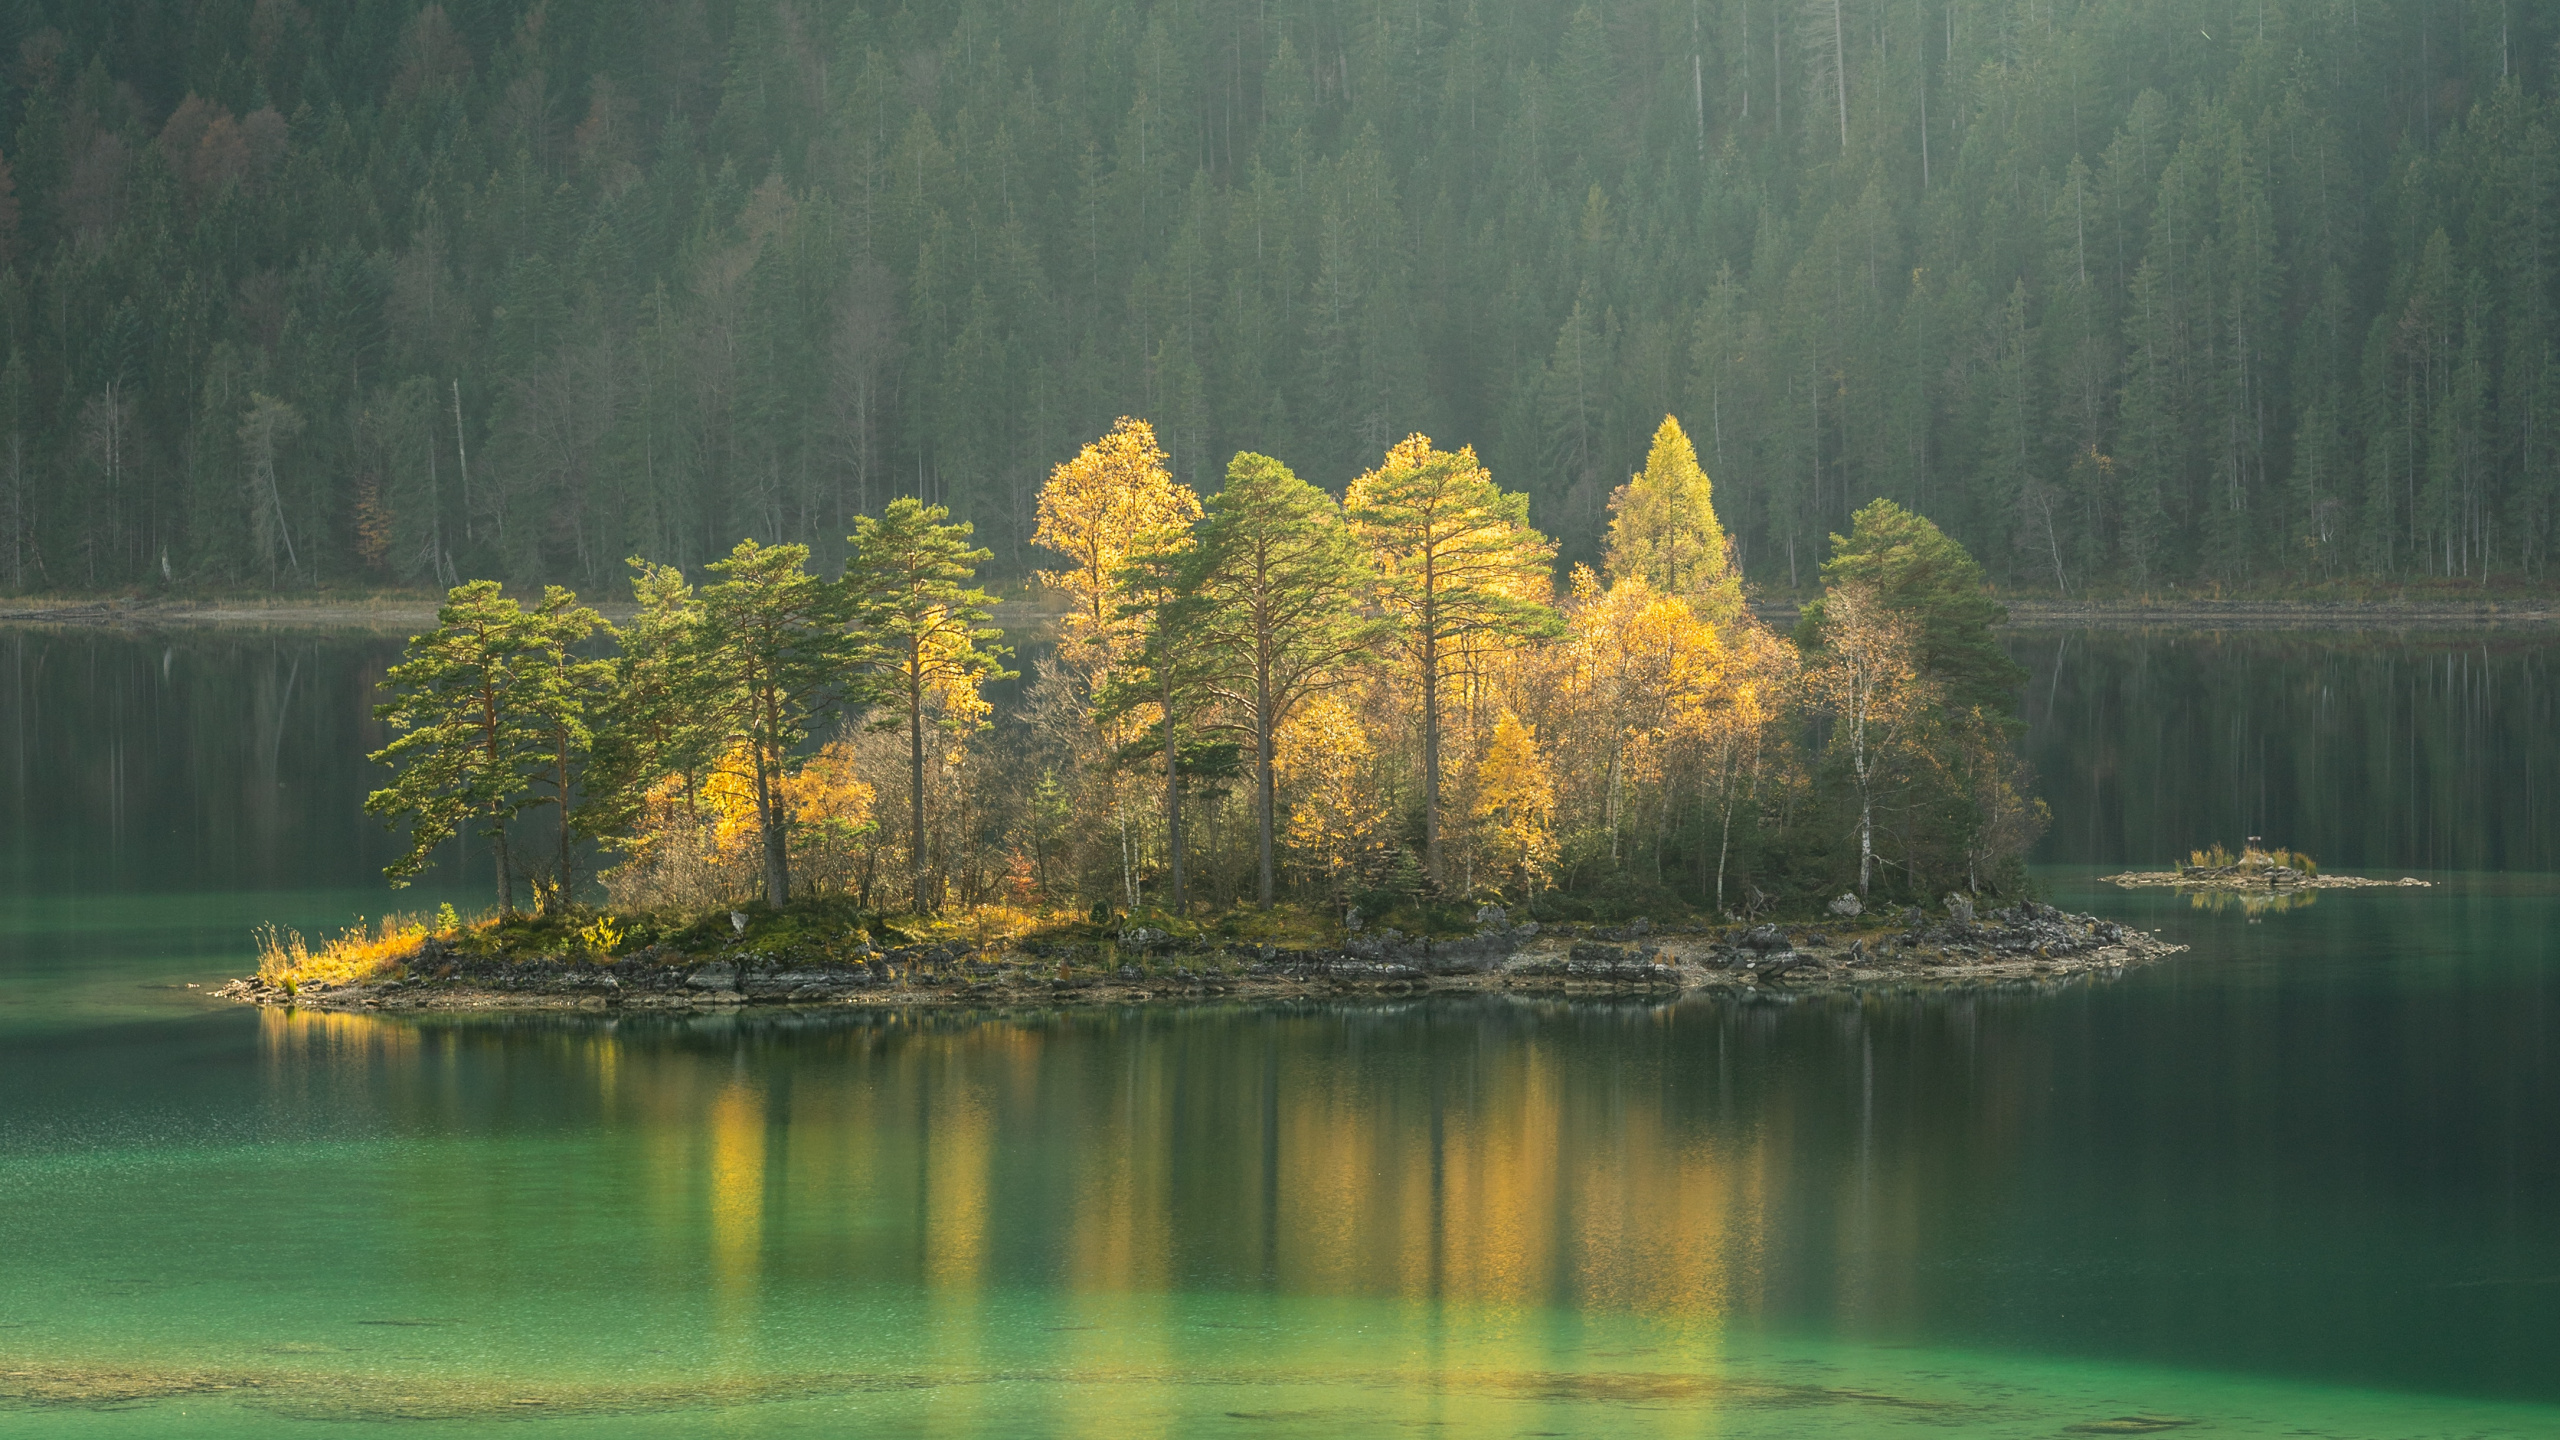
(2251, 857)
(357, 953)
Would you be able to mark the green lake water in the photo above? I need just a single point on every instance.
(2302, 1180)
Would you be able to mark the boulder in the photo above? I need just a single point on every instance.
(1960, 909)
(1847, 907)
(716, 976)
(1492, 916)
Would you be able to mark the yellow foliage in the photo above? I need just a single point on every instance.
(699, 847)
(1096, 509)
(355, 954)
(600, 936)
(1338, 830)
(1646, 657)
(1663, 530)
(830, 807)
(1515, 803)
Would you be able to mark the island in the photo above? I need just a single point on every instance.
(474, 970)
(2253, 872)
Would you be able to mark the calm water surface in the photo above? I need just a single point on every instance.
(2302, 1180)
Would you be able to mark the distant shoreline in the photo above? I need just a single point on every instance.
(408, 614)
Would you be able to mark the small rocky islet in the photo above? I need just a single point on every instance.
(2026, 942)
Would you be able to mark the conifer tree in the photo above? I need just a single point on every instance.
(1275, 593)
(1663, 529)
(471, 731)
(923, 639)
(769, 659)
(1912, 567)
(1457, 562)
(657, 723)
(565, 692)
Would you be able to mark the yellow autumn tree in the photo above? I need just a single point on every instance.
(1096, 510)
(1761, 670)
(1647, 677)
(1339, 834)
(830, 806)
(1663, 530)
(692, 845)
(1515, 805)
(1866, 679)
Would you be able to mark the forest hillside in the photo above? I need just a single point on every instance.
(2124, 294)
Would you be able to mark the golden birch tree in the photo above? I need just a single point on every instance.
(1515, 804)
(1866, 680)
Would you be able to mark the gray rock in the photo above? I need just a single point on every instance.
(1143, 937)
(716, 976)
(1960, 909)
(1765, 938)
(1492, 916)
(1847, 907)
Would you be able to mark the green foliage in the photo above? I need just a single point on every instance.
(1272, 596)
(923, 638)
(1914, 568)
(490, 707)
(770, 657)
(354, 294)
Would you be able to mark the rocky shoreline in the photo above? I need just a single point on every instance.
(2027, 942)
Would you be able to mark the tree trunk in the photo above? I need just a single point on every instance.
(915, 775)
(1172, 796)
(1430, 754)
(563, 888)
(777, 858)
(1264, 787)
(506, 866)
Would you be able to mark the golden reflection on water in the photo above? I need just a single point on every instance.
(737, 1125)
(962, 1158)
(2251, 903)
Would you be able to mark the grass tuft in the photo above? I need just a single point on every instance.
(358, 953)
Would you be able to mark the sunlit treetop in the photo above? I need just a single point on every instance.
(1099, 507)
(1663, 529)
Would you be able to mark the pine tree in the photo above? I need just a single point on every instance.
(467, 701)
(924, 640)
(769, 658)
(1910, 566)
(1274, 593)
(1457, 564)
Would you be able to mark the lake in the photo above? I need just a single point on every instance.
(2301, 1179)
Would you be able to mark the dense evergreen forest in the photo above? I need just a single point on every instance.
(2122, 293)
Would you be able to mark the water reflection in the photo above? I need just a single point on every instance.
(2370, 751)
(1314, 1152)
(2252, 904)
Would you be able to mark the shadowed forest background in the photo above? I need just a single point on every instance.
(2122, 293)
